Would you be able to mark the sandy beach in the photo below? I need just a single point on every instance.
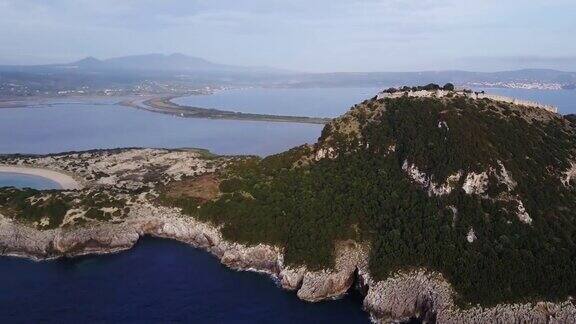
(65, 181)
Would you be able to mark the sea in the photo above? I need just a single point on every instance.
(18, 180)
(158, 280)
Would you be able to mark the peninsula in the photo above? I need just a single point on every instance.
(165, 105)
(446, 208)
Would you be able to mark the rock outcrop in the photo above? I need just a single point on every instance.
(416, 294)
(429, 297)
(20, 240)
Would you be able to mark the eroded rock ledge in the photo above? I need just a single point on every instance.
(418, 293)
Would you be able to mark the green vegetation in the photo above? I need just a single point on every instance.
(428, 87)
(363, 194)
(16, 202)
(35, 206)
(95, 202)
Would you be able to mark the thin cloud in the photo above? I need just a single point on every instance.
(319, 35)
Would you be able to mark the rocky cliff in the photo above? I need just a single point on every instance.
(414, 294)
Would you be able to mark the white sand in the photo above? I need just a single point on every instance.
(65, 181)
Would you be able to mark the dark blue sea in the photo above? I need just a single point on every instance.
(158, 281)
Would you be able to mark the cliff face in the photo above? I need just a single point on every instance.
(17, 239)
(421, 294)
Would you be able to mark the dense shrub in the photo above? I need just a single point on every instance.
(363, 194)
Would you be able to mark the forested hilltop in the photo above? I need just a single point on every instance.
(479, 190)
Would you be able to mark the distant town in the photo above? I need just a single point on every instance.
(11, 90)
(182, 75)
(522, 85)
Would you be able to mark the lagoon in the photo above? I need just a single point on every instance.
(310, 102)
(74, 127)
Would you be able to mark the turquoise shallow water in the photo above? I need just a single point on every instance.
(18, 180)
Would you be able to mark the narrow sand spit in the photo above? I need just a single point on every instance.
(65, 181)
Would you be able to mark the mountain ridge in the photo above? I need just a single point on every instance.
(179, 61)
(181, 73)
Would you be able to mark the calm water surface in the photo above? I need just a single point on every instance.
(18, 180)
(70, 127)
(565, 100)
(332, 102)
(315, 102)
(158, 281)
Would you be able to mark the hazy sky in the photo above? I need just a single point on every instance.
(307, 35)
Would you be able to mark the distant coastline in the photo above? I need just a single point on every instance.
(162, 103)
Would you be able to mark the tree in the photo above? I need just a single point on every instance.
(448, 87)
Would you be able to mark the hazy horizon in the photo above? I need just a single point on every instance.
(319, 36)
(297, 71)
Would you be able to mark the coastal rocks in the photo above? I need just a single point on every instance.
(321, 285)
(259, 258)
(22, 241)
(405, 296)
(429, 297)
(417, 294)
(291, 279)
(201, 235)
(332, 283)
(92, 241)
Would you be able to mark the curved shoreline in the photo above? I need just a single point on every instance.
(65, 181)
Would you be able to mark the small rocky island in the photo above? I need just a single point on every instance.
(436, 205)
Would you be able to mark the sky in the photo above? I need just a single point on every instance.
(301, 35)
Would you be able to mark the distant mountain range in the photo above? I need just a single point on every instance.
(179, 63)
(128, 71)
(148, 64)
